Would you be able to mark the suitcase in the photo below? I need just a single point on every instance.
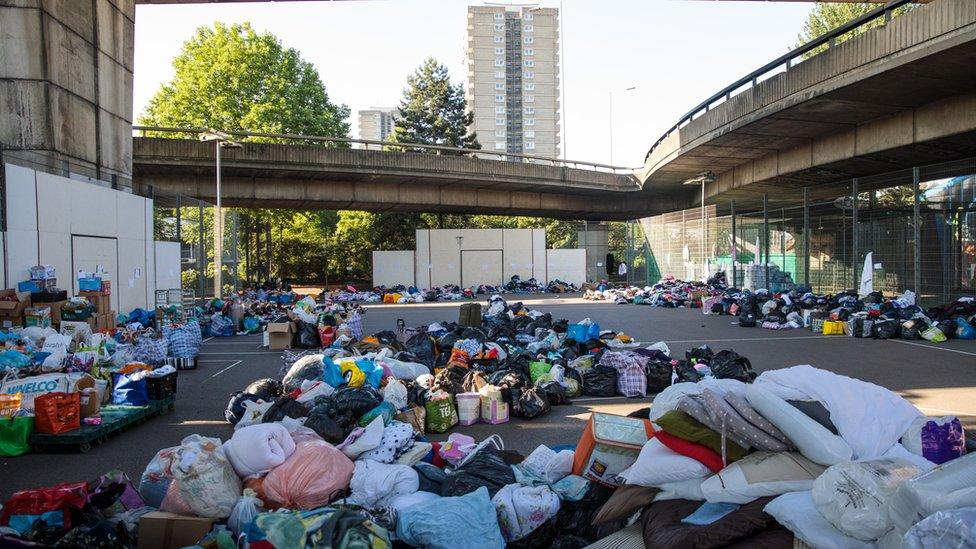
(470, 315)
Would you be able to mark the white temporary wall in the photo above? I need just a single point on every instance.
(567, 265)
(53, 220)
(446, 256)
(393, 267)
(167, 265)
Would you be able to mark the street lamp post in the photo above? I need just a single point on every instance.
(632, 88)
(221, 141)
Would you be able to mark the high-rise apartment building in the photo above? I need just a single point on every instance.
(376, 123)
(513, 78)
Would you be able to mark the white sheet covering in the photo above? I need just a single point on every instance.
(257, 449)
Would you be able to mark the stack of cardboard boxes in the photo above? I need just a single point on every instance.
(12, 307)
(101, 299)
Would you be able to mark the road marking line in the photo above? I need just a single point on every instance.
(225, 369)
(747, 339)
(941, 411)
(932, 347)
(208, 339)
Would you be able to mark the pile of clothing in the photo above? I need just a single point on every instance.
(831, 460)
(669, 292)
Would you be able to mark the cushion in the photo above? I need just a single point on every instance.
(657, 465)
(703, 454)
(730, 421)
(750, 414)
(682, 425)
(747, 526)
(625, 501)
(761, 474)
(694, 406)
(812, 439)
(797, 512)
(686, 489)
(447, 522)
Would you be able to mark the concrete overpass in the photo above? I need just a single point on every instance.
(896, 96)
(271, 175)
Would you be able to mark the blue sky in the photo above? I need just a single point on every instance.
(676, 53)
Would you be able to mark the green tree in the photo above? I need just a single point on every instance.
(433, 111)
(232, 78)
(826, 16)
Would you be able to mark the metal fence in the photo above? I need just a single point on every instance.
(918, 224)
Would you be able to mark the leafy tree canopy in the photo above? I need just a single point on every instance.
(826, 16)
(233, 78)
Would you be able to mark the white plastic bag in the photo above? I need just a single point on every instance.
(313, 388)
(854, 496)
(247, 507)
(522, 509)
(548, 464)
(395, 393)
(949, 486)
(207, 481)
(952, 528)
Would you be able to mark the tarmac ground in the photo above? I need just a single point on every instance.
(938, 378)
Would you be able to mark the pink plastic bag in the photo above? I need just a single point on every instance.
(315, 474)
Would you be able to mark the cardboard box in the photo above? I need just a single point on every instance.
(102, 302)
(161, 530)
(55, 309)
(281, 335)
(105, 321)
(14, 308)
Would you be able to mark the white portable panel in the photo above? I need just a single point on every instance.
(567, 265)
(539, 254)
(481, 267)
(91, 252)
(477, 239)
(167, 265)
(445, 257)
(517, 253)
(393, 267)
(129, 286)
(422, 264)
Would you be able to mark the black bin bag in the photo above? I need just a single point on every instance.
(600, 381)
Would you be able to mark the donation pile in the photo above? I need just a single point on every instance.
(831, 460)
(669, 292)
(449, 292)
(75, 387)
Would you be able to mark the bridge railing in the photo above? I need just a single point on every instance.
(390, 146)
(786, 60)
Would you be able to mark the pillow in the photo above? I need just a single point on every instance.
(761, 474)
(749, 413)
(797, 513)
(658, 465)
(703, 454)
(625, 501)
(686, 489)
(469, 520)
(730, 421)
(812, 439)
(682, 425)
(695, 407)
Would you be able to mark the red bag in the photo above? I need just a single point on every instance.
(56, 500)
(327, 335)
(56, 413)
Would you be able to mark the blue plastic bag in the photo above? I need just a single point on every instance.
(221, 326)
(252, 325)
(331, 373)
(129, 391)
(576, 332)
(469, 521)
(964, 330)
(13, 360)
(374, 373)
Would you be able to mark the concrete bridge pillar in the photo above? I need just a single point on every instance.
(66, 87)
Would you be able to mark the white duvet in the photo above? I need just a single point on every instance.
(257, 449)
(868, 417)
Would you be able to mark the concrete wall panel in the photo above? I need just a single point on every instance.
(393, 267)
(539, 254)
(422, 260)
(19, 55)
(568, 265)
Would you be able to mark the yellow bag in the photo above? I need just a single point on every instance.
(352, 372)
(833, 327)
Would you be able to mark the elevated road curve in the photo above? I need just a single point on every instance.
(896, 96)
(323, 176)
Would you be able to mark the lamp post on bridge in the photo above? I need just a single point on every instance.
(632, 88)
(222, 141)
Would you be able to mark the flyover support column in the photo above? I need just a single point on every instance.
(855, 259)
(916, 235)
(765, 243)
(735, 244)
(806, 236)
